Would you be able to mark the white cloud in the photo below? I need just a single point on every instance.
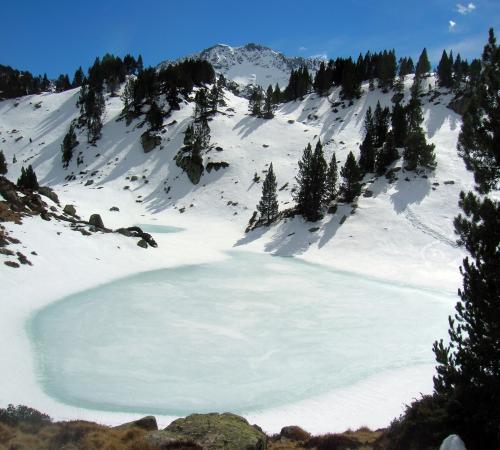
(451, 25)
(301, 49)
(462, 9)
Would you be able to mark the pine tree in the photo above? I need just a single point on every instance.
(3, 164)
(445, 71)
(78, 78)
(351, 174)
(302, 195)
(154, 116)
(68, 144)
(399, 125)
(331, 191)
(423, 64)
(201, 103)
(277, 95)
(201, 137)
(268, 205)
(216, 95)
(268, 104)
(28, 179)
(317, 187)
(255, 102)
(189, 137)
(468, 371)
(386, 155)
(367, 148)
(381, 125)
(479, 140)
(351, 85)
(140, 65)
(321, 80)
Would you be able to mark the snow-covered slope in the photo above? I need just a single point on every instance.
(253, 64)
(400, 231)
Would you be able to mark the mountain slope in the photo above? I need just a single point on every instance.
(252, 64)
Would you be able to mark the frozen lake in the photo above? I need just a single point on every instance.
(248, 333)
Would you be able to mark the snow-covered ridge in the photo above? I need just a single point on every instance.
(252, 63)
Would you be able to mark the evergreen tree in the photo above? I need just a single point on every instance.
(201, 103)
(216, 95)
(277, 95)
(423, 64)
(255, 102)
(479, 140)
(28, 179)
(78, 78)
(268, 205)
(468, 371)
(381, 125)
(351, 174)
(68, 144)
(140, 65)
(189, 137)
(351, 86)
(399, 125)
(155, 117)
(331, 181)
(268, 104)
(445, 71)
(201, 136)
(3, 164)
(302, 195)
(322, 80)
(367, 148)
(414, 107)
(386, 155)
(317, 187)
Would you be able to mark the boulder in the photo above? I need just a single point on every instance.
(149, 141)
(294, 433)
(114, 208)
(142, 243)
(147, 423)
(70, 210)
(49, 193)
(460, 104)
(216, 166)
(192, 166)
(211, 432)
(453, 442)
(96, 221)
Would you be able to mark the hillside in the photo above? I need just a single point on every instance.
(399, 231)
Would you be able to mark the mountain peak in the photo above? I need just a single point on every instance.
(252, 63)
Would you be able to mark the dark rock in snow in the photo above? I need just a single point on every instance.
(96, 221)
(216, 166)
(49, 193)
(142, 243)
(70, 210)
(149, 141)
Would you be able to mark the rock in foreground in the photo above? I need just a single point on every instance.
(212, 432)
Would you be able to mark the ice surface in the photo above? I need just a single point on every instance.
(245, 334)
(153, 228)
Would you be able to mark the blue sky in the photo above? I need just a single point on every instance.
(56, 36)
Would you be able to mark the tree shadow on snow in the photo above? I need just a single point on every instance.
(409, 192)
(248, 125)
(294, 236)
